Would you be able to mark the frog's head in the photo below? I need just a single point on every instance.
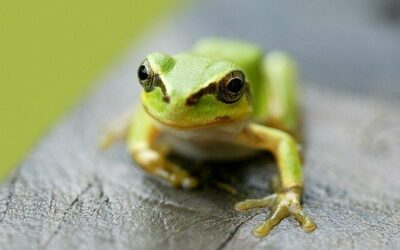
(187, 91)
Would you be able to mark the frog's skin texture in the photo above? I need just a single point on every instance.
(222, 100)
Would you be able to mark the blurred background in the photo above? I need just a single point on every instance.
(52, 52)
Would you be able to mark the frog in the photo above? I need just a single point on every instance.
(222, 100)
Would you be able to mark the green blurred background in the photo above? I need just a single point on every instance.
(50, 53)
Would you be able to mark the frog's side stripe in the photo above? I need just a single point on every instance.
(193, 99)
(159, 83)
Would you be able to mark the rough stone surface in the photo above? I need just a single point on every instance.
(69, 195)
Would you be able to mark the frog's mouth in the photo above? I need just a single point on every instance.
(218, 121)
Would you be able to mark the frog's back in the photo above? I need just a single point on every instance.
(247, 56)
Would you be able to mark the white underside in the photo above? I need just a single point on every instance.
(213, 143)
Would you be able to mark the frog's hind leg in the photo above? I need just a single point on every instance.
(280, 71)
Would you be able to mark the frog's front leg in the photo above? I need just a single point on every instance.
(152, 157)
(286, 201)
(154, 161)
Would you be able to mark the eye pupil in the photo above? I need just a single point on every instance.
(235, 85)
(142, 73)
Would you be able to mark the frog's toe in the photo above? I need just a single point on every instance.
(190, 182)
(255, 203)
(182, 180)
(264, 228)
(307, 224)
(177, 176)
(282, 205)
(241, 206)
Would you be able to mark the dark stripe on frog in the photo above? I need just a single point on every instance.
(159, 83)
(193, 99)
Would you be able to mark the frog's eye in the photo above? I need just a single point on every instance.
(146, 76)
(232, 87)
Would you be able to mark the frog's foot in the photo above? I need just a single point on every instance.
(282, 205)
(176, 176)
(155, 163)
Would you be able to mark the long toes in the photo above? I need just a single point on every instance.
(248, 204)
(255, 203)
(307, 224)
(241, 206)
(279, 214)
(263, 229)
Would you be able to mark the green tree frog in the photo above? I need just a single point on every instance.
(222, 100)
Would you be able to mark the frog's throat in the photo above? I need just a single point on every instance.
(177, 126)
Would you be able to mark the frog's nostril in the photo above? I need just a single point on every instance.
(166, 99)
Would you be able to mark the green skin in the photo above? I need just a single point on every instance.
(183, 97)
